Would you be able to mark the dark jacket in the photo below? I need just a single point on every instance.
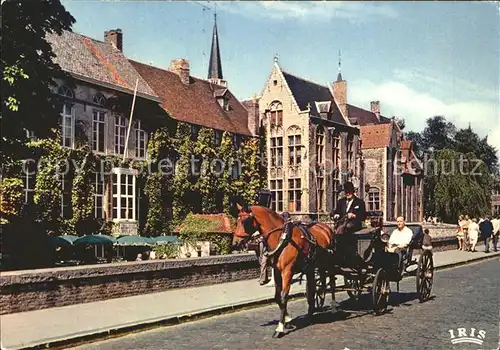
(357, 207)
(486, 228)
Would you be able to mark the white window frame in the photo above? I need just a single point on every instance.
(277, 201)
(29, 179)
(71, 127)
(99, 194)
(95, 131)
(139, 131)
(117, 193)
(374, 200)
(64, 192)
(121, 123)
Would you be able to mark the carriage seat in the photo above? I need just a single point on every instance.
(415, 243)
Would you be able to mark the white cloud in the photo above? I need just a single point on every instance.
(309, 10)
(400, 100)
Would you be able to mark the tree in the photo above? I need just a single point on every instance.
(438, 134)
(467, 141)
(28, 71)
(417, 142)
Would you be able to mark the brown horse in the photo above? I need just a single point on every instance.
(289, 254)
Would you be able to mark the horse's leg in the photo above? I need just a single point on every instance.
(311, 292)
(335, 305)
(286, 279)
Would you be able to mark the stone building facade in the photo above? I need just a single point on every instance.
(311, 146)
(495, 197)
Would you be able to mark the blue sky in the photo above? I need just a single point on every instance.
(418, 58)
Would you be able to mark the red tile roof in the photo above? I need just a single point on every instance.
(405, 144)
(224, 222)
(363, 117)
(376, 135)
(195, 103)
(98, 61)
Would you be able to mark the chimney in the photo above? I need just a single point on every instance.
(340, 95)
(375, 108)
(253, 116)
(181, 68)
(115, 37)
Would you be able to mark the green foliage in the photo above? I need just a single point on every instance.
(82, 198)
(250, 181)
(27, 66)
(182, 180)
(228, 155)
(196, 229)
(461, 187)
(204, 149)
(171, 251)
(11, 198)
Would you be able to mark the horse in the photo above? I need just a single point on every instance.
(289, 253)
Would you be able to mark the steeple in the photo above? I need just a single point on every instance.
(339, 76)
(215, 64)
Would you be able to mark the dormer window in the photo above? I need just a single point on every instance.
(195, 129)
(222, 98)
(217, 137)
(99, 100)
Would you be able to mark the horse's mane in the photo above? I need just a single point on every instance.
(271, 213)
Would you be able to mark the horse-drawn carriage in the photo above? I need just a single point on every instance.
(381, 267)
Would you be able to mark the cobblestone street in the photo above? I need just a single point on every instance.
(462, 297)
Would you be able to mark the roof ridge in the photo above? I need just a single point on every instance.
(86, 36)
(305, 79)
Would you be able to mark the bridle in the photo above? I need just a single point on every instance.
(244, 216)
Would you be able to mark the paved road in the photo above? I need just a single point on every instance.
(463, 297)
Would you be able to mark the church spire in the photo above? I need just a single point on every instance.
(215, 64)
(339, 76)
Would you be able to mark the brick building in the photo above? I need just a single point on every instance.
(312, 147)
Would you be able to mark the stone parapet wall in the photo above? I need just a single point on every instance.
(29, 290)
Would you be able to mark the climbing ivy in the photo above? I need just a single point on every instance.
(182, 178)
(228, 155)
(249, 182)
(206, 185)
(11, 198)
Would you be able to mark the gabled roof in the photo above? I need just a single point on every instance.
(376, 135)
(361, 116)
(195, 102)
(307, 93)
(97, 62)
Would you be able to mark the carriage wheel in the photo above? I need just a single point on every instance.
(425, 275)
(354, 284)
(320, 289)
(380, 291)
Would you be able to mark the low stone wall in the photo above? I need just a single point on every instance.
(38, 289)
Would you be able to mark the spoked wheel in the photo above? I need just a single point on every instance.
(425, 275)
(380, 292)
(353, 284)
(319, 300)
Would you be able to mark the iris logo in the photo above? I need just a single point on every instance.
(464, 335)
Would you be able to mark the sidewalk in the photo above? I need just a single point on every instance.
(57, 326)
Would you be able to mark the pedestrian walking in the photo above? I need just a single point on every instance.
(460, 232)
(473, 234)
(486, 228)
(496, 232)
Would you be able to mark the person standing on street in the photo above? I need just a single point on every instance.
(486, 228)
(496, 231)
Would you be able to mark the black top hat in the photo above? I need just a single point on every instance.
(348, 187)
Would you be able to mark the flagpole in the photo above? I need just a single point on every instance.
(130, 121)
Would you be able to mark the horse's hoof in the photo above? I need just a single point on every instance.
(289, 326)
(277, 335)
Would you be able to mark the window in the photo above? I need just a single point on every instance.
(276, 114)
(294, 195)
(320, 145)
(236, 141)
(29, 178)
(30, 135)
(65, 91)
(496, 210)
(277, 195)
(496, 190)
(65, 197)
(321, 191)
(120, 134)
(68, 126)
(123, 194)
(99, 99)
(140, 141)
(99, 186)
(294, 148)
(236, 170)
(277, 151)
(336, 162)
(373, 199)
(350, 152)
(217, 137)
(195, 129)
(98, 131)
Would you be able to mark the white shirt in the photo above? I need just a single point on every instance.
(349, 203)
(496, 225)
(473, 230)
(402, 237)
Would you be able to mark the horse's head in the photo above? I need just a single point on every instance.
(246, 226)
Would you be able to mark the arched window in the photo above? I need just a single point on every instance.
(294, 146)
(373, 199)
(350, 152)
(99, 99)
(276, 114)
(336, 166)
(65, 91)
(276, 147)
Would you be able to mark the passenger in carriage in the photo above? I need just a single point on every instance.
(400, 240)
